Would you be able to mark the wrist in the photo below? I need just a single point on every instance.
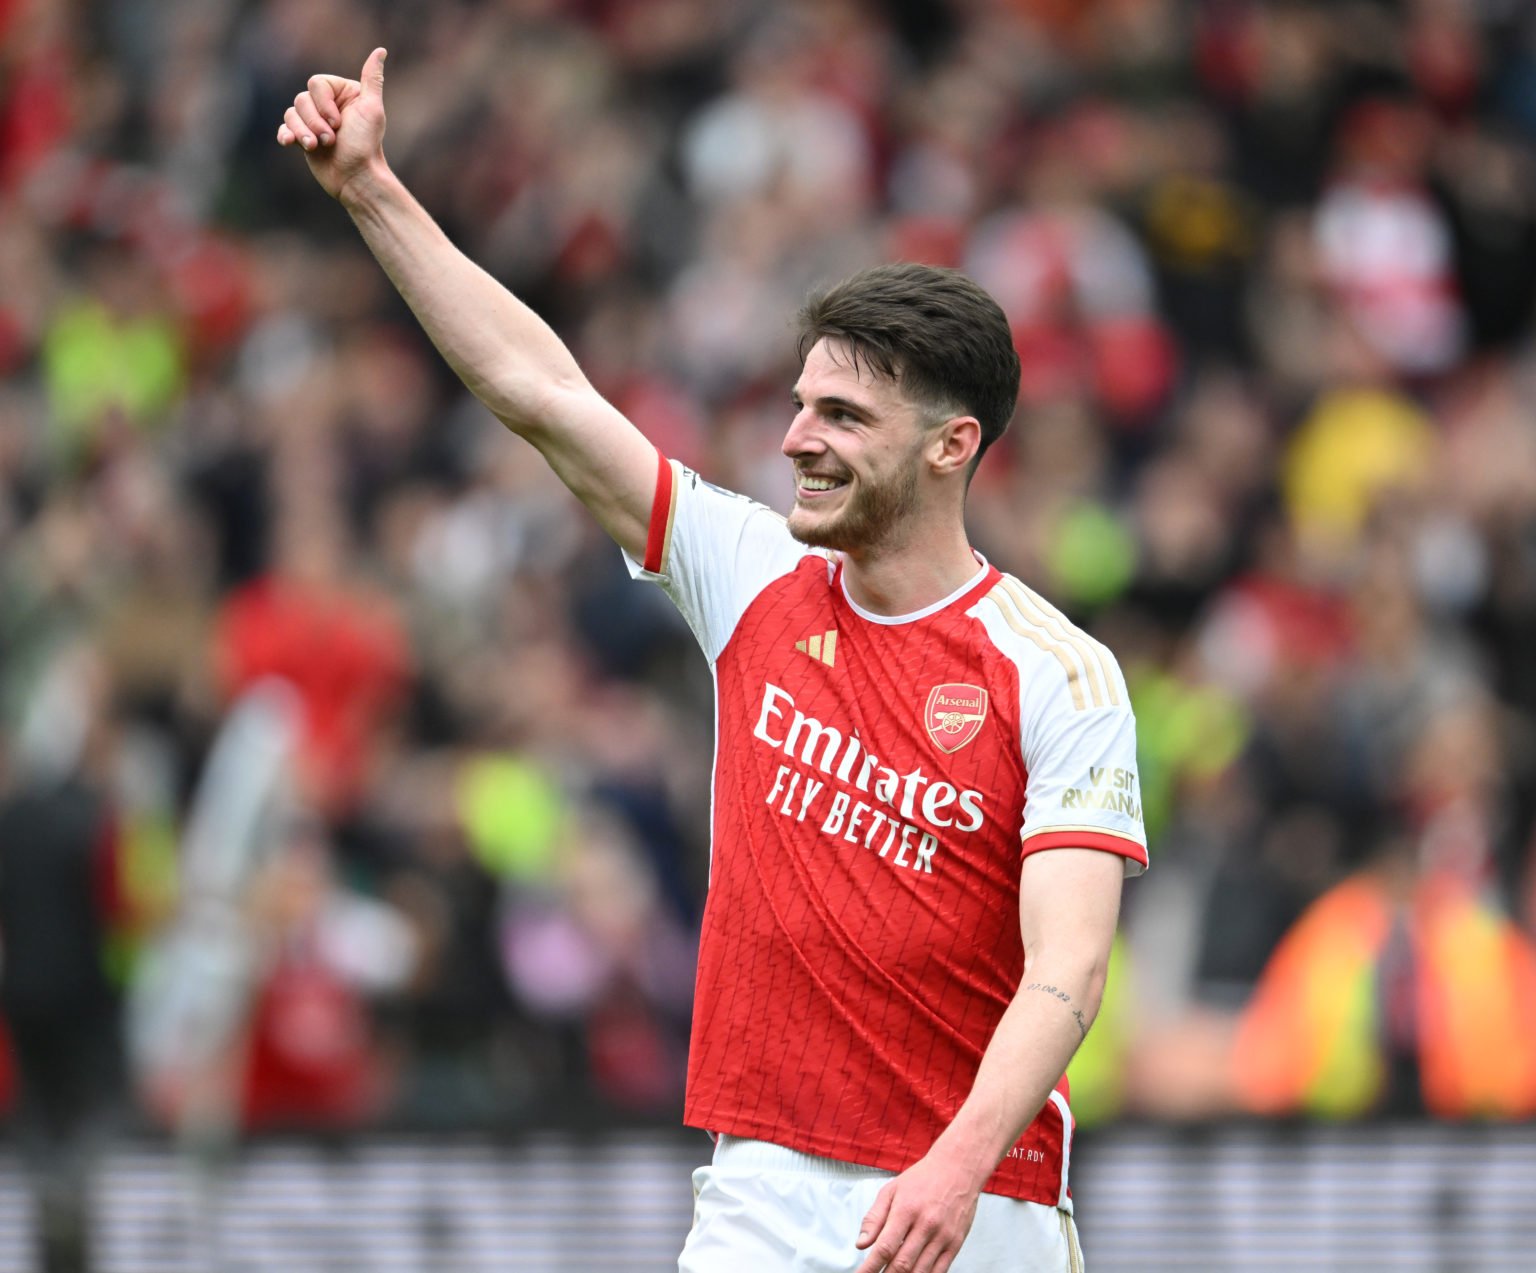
(973, 1155)
(366, 187)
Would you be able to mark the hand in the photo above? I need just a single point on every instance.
(339, 123)
(919, 1219)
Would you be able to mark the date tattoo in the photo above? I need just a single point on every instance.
(1077, 1013)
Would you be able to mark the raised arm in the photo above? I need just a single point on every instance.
(507, 356)
(1069, 902)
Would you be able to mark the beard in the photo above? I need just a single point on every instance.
(873, 515)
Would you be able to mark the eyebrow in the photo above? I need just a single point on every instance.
(832, 400)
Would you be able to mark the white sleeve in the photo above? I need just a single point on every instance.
(1083, 790)
(712, 551)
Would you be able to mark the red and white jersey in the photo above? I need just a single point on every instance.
(877, 782)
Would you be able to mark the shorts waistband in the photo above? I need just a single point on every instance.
(741, 1154)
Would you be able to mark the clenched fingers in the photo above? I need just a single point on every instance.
(305, 123)
(323, 94)
(295, 130)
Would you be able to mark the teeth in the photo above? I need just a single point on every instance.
(819, 483)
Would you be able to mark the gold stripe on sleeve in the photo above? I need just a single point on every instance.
(1074, 674)
(1059, 626)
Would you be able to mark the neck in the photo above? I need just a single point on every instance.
(904, 580)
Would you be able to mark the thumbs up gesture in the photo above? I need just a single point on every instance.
(339, 124)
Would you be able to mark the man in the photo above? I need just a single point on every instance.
(61, 894)
(893, 971)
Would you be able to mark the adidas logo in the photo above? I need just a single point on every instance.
(823, 646)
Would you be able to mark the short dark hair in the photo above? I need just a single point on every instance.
(936, 332)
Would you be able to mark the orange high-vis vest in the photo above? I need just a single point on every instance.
(1310, 1039)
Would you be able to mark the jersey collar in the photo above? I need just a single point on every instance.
(890, 620)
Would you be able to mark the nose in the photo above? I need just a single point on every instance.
(803, 437)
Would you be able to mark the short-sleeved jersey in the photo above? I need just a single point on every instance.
(877, 782)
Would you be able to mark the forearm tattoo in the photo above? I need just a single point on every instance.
(1077, 1013)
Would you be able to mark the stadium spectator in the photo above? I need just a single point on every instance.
(61, 894)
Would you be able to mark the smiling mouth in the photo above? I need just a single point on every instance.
(818, 484)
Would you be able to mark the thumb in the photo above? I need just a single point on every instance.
(373, 73)
(874, 1218)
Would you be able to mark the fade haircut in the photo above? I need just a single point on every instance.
(933, 331)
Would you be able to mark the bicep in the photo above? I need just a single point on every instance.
(1069, 903)
(605, 461)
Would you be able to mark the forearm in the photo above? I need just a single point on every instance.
(505, 353)
(1069, 900)
(1041, 1029)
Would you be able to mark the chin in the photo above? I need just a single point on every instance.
(831, 532)
(809, 529)
(802, 527)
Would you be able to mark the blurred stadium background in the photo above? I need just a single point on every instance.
(352, 837)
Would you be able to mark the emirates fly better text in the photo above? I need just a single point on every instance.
(852, 770)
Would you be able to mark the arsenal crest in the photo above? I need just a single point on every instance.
(954, 715)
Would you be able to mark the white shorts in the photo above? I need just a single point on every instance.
(760, 1208)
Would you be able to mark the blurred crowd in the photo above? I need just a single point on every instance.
(1270, 265)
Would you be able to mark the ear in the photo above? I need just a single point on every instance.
(953, 445)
